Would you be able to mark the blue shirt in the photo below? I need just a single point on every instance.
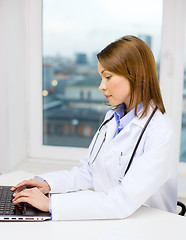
(122, 119)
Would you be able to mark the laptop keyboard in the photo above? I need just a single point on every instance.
(6, 205)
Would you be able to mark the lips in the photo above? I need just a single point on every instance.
(107, 96)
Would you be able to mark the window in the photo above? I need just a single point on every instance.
(150, 20)
(72, 36)
(27, 99)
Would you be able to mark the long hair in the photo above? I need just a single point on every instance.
(132, 58)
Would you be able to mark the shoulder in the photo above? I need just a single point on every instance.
(160, 128)
(160, 123)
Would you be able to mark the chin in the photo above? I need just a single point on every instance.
(115, 104)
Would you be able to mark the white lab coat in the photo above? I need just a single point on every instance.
(151, 179)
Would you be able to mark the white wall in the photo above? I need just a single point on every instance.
(12, 84)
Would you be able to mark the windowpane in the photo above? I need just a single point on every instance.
(183, 130)
(73, 33)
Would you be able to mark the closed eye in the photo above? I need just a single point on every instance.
(108, 77)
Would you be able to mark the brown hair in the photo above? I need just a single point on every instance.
(132, 58)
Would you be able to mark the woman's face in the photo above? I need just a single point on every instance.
(116, 88)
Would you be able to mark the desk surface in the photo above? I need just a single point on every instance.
(145, 223)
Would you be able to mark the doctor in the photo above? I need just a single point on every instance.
(102, 188)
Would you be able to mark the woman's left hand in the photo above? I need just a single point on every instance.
(34, 197)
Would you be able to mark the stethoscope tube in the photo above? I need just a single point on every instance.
(102, 125)
(135, 148)
(137, 144)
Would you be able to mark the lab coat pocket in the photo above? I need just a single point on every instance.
(122, 166)
(116, 166)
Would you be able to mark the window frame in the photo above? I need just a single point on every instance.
(34, 93)
(170, 52)
(172, 65)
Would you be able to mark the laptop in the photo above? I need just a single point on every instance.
(21, 212)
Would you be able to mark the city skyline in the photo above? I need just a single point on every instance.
(71, 27)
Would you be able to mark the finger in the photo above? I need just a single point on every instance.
(20, 200)
(17, 189)
(13, 189)
(25, 196)
(34, 197)
(19, 185)
(26, 183)
(24, 193)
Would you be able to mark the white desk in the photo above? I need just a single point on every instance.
(145, 223)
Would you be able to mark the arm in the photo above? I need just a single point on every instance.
(55, 182)
(147, 175)
(61, 181)
(78, 178)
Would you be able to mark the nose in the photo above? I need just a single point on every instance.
(102, 85)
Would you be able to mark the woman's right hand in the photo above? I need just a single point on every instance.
(43, 186)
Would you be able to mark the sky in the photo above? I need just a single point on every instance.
(87, 26)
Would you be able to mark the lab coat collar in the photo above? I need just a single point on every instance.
(141, 121)
(111, 125)
(137, 120)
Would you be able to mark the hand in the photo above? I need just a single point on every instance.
(34, 197)
(43, 186)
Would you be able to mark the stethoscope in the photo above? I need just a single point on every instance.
(104, 138)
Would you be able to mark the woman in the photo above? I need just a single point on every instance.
(130, 84)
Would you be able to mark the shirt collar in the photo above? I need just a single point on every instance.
(121, 118)
(120, 111)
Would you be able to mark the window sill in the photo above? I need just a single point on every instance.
(38, 166)
(182, 180)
